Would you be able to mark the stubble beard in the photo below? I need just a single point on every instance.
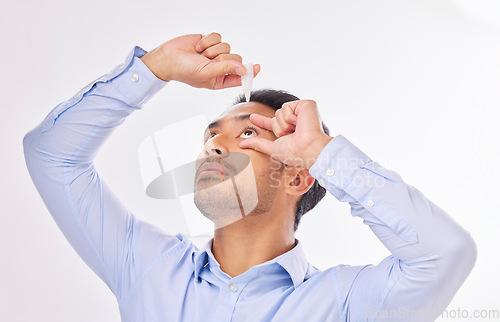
(223, 205)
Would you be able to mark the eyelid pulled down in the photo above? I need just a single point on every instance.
(249, 128)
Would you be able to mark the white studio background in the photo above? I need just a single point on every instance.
(414, 83)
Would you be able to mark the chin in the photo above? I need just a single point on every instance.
(221, 204)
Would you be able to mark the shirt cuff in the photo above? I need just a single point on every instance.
(134, 80)
(336, 165)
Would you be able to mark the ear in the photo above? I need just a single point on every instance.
(298, 181)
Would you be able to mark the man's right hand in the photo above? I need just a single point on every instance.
(197, 60)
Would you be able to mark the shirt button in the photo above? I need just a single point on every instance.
(122, 66)
(78, 95)
(321, 182)
(134, 77)
(233, 287)
(370, 203)
(330, 172)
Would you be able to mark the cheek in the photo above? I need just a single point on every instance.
(266, 168)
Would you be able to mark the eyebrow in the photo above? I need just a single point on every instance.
(239, 118)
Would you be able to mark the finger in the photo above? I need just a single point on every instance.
(224, 57)
(288, 115)
(235, 80)
(208, 41)
(256, 70)
(216, 50)
(222, 68)
(292, 105)
(262, 121)
(258, 144)
(277, 129)
(284, 126)
(297, 106)
(307, 114)
(231, 81)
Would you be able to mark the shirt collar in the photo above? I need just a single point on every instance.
(201, 258)
(294, 262)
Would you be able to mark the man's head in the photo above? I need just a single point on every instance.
(251, 193)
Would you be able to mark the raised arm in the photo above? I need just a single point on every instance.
(60, 151)
(431, 254)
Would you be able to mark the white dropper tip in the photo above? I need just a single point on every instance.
(246, 81)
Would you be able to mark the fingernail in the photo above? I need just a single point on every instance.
(198, 48)
(239, 71)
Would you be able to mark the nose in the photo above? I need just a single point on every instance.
(216, 147)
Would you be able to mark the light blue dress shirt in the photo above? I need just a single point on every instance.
(159, 277)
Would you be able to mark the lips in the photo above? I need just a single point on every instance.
(222, 167)
(211, 168)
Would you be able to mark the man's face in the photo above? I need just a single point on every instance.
(231, 182)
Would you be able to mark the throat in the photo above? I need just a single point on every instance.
(236, 253)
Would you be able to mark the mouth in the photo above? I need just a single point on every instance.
(212, 169)
(216, 168)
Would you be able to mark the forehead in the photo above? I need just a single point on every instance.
(242, 109)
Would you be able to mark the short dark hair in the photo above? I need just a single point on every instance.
(275, 99)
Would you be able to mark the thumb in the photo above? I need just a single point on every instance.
(216, 69)
(258, 144)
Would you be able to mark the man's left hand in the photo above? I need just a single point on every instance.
(300, 135)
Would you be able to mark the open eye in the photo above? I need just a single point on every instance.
(248, 133)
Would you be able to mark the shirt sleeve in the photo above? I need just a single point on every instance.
(59, 155)
(431, 254)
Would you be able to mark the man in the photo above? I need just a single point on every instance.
(253, 269)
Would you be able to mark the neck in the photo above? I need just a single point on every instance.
(250, 241)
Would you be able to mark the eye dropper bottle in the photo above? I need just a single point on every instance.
(246, 81)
